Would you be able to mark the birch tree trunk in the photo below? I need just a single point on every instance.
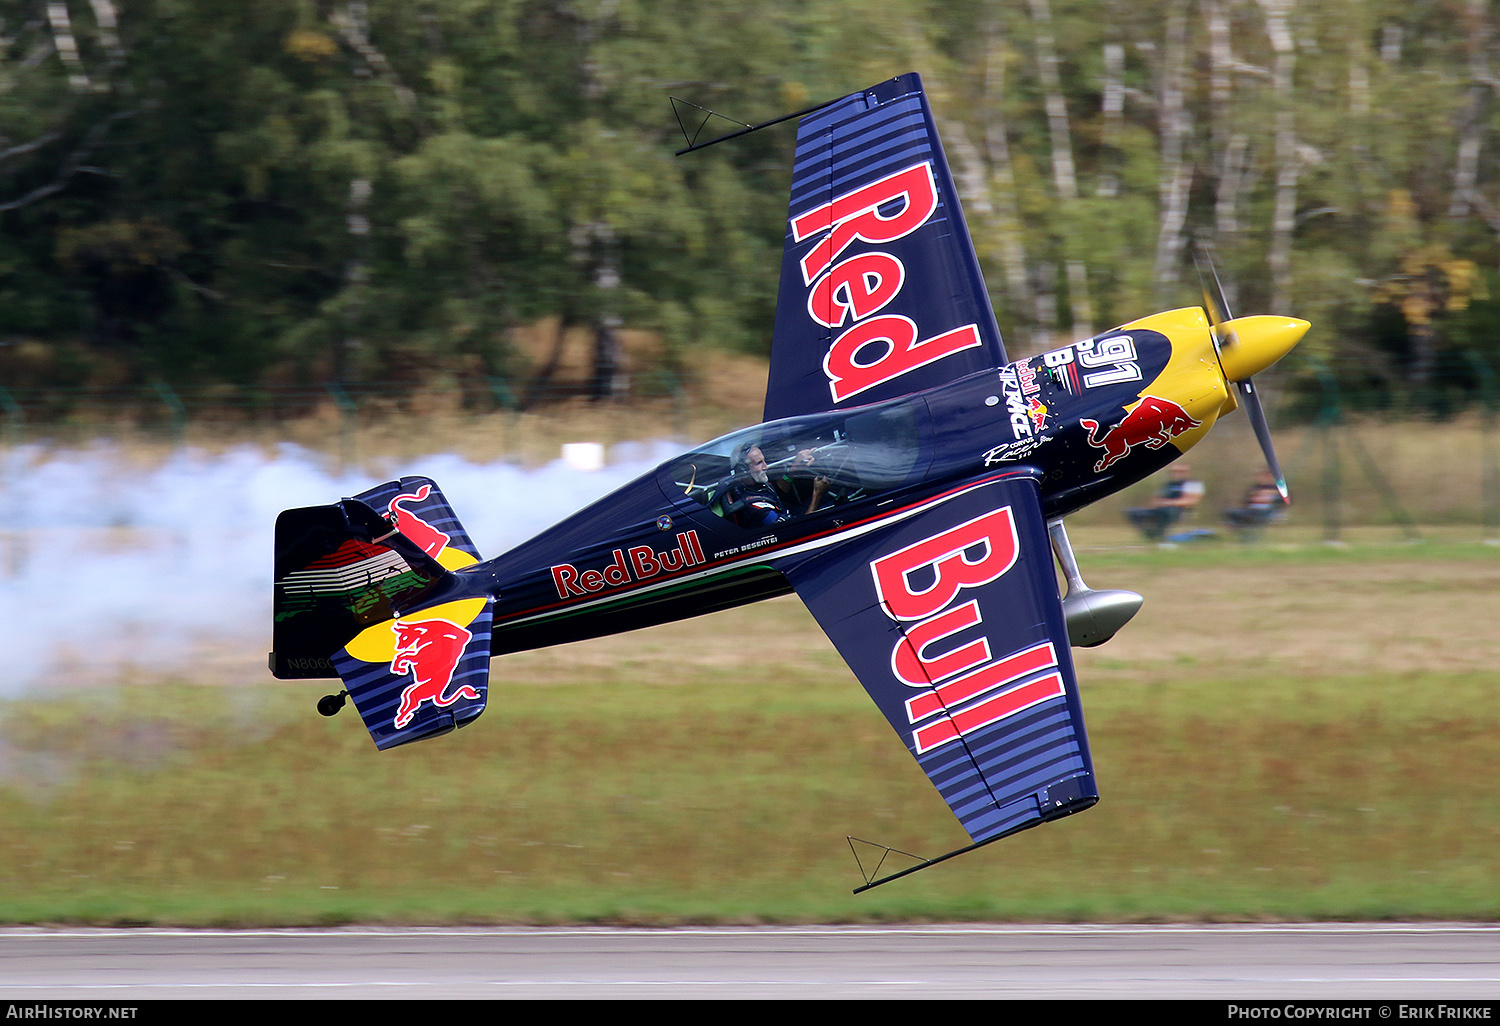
(1064, 174)
(67, 45)
(1114, 117)
(1283, 219)
(1358, 47)
(595, 242)
(1231, 149)
(1002, 175)
(1471, 128)
(1176, 170)
(1064, 171)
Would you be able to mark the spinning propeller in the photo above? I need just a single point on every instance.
(1247, 346)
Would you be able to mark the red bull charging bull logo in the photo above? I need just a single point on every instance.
(430, 651)
(428, 538)
(1153, 423)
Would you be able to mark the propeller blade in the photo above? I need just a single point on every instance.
(1214, 303)
(1225, 339)
(1257, 415)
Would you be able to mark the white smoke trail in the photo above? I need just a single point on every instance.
(106, 564)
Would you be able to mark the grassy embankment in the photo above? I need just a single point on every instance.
(1286, 731)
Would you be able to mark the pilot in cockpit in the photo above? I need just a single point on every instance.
(753, 499)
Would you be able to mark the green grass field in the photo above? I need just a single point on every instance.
(1289, 731)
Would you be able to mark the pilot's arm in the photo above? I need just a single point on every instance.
(820, 482)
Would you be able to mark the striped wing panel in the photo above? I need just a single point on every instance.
(422, 675)
(952, 622)
(881, 293)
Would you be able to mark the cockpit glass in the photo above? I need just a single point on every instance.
(803, 465)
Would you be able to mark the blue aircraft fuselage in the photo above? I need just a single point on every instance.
(660, 548)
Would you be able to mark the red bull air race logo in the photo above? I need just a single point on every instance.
(919, 587)
(874, 347)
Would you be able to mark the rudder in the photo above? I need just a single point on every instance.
(364, 591)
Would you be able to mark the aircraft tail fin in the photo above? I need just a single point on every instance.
(365, 591)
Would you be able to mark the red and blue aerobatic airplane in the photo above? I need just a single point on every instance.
(906, 484)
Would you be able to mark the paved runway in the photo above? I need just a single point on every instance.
(1381, 962)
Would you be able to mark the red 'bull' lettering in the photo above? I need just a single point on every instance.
(964, 686)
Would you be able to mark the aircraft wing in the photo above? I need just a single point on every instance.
(948, 613)
(881, 293)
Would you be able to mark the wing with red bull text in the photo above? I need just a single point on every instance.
(881, 294)
(950, 617)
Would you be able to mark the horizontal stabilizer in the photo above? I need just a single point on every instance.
(340, 569)
(421, 675)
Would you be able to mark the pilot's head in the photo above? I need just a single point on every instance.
(755, 462)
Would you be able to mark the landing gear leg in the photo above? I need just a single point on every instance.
(329, 705)
(1093, 616)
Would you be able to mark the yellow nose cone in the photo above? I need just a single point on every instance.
(1248, 345)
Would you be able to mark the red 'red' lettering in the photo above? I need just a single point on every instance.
(564, 577)
(861, 285)
(617, 573)
(910, 663)
(947, 556)
(996, 675)
(897, 336)
(856, 215)
(592, 580)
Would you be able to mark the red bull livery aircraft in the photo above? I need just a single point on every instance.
(909, 484)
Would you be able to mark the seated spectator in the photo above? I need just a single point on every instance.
(1177, 498)
(1261, 503)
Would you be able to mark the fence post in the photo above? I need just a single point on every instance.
(1327, 425)
(175, 408)
(347, 422)
(681, 415)
(1331, 418)
(15, 418)
(1489, 470)
(505, 399)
